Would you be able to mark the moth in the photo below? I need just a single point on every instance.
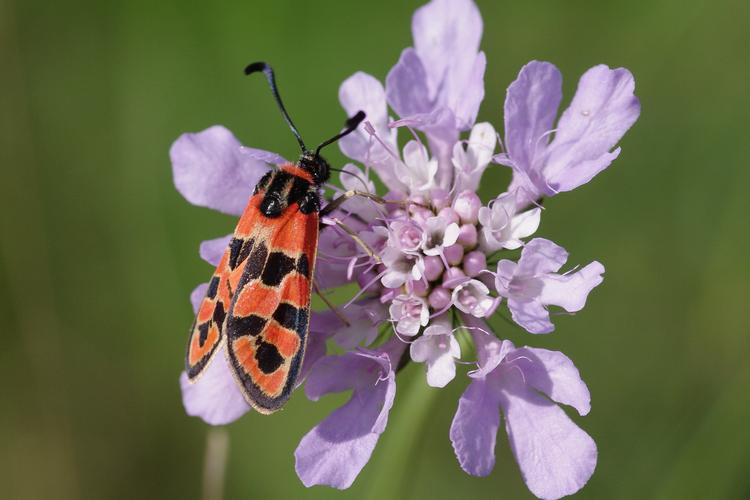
(258, 299)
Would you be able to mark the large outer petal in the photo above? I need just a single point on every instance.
(196, 296)
(335, 451)
(554, 374)
(603, 109)
(406, 86)
(212, 250)
(262, 155)
(474, 429)
(570, 291)
(531, 315)
(446, 38)
(556, 457)
(214, 396)
(210, 170)
(466, 92)
(530, 108)
(323, 325)
(541, 256)
(364, 92)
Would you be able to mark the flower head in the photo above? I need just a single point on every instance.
(431, 261)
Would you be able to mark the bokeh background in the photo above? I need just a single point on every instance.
(98, 252)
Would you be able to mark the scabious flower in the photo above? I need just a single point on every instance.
(433, 263)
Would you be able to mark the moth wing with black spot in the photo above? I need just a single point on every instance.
(209, 327)
(267, 322)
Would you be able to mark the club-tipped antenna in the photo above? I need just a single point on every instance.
(268, 71)
(350, 126)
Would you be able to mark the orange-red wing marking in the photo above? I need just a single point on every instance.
(209, 327)
(267, 321)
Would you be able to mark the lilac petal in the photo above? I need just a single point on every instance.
(541, 256)
(364, 92)
(555, 456)
(322, 326)
(264, 156)
(214, 396)
(570, 291)
(196, 296)
(330, 266)
(441, 371)
(603, 109)
(554, 374)
(468, 94)
(335, 451)
(210, 171)
(531, 315)
(446, 38)
(474, 429)
(335, 374)
(212, 250)
(530, 109)
(490, 350)
(406, 86)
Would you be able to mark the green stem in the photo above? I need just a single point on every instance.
(215, 463)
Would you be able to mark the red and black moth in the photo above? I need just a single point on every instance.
(258, 300)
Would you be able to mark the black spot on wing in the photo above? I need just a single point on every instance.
(239, 249)
(252, 325)
(202, 333)
(234, 251)
(291, 317)
(219, 315)
(269, 358)
(246, 247)
(213, 287)
(303, 266)
(256, 261)
(279, 265)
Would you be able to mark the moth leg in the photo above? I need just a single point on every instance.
(359, 241)
(337, 202)
(328, 303)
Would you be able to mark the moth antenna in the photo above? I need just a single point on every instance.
(350, 126)
(268, 71)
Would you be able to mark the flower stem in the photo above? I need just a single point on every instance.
(215, 463)
(397, 444)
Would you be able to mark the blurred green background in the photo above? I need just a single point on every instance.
(99, 252)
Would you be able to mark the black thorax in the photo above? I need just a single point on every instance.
(281, 189)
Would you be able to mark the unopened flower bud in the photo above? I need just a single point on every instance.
(448, 215)
(467, 235)
(474, 263)
(467, 205)
(433, 267)
(454, 254)
(419, 287)
(439, 298)
(452, 277)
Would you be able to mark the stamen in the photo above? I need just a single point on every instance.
(364, 289)
(371, 130)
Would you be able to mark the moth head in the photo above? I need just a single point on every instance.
(316, 165)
